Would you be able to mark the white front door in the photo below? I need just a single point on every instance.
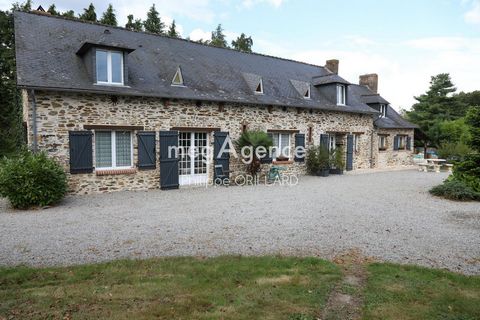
(193, 158)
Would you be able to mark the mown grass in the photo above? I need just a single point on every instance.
(171, 288)
(409, 292)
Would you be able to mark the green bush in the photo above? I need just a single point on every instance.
(312, 160)
(468, 171)
(455, 190)
(455, 151)
(29, 179)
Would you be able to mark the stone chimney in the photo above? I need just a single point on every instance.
(332, 65)
(369, 80)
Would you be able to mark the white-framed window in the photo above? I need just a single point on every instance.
(402, 142)
(382, 142)
(259, 88)
(113, 149)
(331, 142)
(178, 78)
(383, 110)
(356, 137)
(341, 95)
(281, 145)
(109, 67)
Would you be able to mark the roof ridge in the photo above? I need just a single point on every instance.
(164, 36)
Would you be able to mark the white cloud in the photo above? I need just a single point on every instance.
(251, 3)
(199, 34)
(473, 15)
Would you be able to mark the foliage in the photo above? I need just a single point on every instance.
(468, 171)
(109, 17)
(243, 43)
(153, 23)
(135, 25)
(473, 120)
(172, 31)
(29, 179)
(323, 158)
(218, 38)
(453, 151)
(311, 160)
(451, 131)
(11, 130)
(53, 10)
(215, 288)
(26, 6)
(69, 14)
(454, 189)
(89, 14)
(337, 158)
(254, 140)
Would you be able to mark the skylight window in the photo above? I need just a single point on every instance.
(259, 89)
(178, 78)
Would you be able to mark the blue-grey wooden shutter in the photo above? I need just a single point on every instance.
(169, 160)
(349, 152)
(324, 141)
(267, 158)
(221, 158)
(395, 143)
(300, 142)
(81, 155)
(147, 155)
(409, 143)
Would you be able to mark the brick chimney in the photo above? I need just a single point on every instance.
(332, 65)
(369, 80)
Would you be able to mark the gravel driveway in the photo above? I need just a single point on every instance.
(388, 216)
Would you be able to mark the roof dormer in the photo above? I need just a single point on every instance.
(254, 82)
(178, 78)
(302, 87)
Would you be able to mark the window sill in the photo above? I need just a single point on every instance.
(282, 162)
(107, 84)
(105, 172)
(382, 149)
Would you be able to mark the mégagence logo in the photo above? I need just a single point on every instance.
(248, 154)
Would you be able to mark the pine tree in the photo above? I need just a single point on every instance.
(218, 38)
(69, 14)
(109, 17)
(26, 6)
(153, 23)
(135, 25)
(172, 31)
(11, 130)
(243, 43)
(53, 10)
(89, 14)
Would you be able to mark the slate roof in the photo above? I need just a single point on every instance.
(46, 48)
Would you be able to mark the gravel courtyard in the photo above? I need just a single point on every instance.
(388, 216)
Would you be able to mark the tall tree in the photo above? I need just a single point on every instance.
(109, 16)
(243, 43)
(69, 14)
(153, 23)
(11, 130)
(172, 31)
(218, 38)
(53, 10)
(134, 24)
(89, 14)
(435, 106)
(25, 6)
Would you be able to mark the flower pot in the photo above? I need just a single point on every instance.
(336, 171)
(323, 172)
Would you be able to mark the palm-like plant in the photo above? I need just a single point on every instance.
(252, 141)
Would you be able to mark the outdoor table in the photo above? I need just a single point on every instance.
(436, 163)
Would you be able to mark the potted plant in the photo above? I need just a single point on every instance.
(252, 140)
(311, 160)
(323, 162)
(338, 161)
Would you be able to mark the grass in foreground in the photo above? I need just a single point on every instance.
(409, 292)
(171, 288)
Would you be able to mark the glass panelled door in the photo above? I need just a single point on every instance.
(193, 157)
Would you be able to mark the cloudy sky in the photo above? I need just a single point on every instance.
(405, 42)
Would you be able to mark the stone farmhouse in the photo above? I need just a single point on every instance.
(107, 103)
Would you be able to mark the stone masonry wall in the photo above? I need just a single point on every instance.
(59, 112)
(389, 157)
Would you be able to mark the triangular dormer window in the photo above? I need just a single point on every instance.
(259, 88)
(178, 78)
(307, 93)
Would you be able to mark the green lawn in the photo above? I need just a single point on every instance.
(171, 288)
(230, 288)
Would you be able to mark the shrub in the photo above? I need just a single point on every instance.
(29, 179)
(312, 160)
(455, 190)
(468, 171)
(455, 151)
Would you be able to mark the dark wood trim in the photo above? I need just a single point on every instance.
(195, 129)
(339, 132)
(283, 130)
(282, 162)
(110, 127)
(383, 134)
(359, 132)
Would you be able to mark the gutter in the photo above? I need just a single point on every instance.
(34, 120)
